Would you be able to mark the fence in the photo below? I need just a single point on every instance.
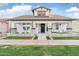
(3, 34)
(65, 34)
(23, 35)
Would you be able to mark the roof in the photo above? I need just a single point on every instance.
(43, 18)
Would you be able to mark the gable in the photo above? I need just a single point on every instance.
(41, 8)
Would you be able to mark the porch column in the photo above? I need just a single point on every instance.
(49, 28)
(60, 27)
(33, 27)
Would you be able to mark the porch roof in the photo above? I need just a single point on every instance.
(37, 18)
(43, 18)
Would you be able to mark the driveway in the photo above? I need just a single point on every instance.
(39, 42)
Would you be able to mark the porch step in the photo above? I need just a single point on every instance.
(42, 37)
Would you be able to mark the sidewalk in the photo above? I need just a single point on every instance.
(39, 42)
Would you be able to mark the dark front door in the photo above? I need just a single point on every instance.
(42, 28)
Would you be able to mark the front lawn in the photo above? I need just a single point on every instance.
(18, 38)
(66, 38)
(39, 50)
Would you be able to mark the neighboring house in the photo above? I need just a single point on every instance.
(40, 22)
(4, 26)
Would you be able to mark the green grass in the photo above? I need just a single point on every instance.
(66, 38)
(39, 51)
(17, 38)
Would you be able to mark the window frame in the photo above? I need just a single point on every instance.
(41, 13)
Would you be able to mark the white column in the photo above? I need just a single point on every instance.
(54, 27)
(37, 28)
(60, 28)
(65, 27)
(49, 26)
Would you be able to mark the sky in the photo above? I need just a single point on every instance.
(11, 10)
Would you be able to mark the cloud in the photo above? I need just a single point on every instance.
(73, 9)
(72, 12)
(1, 4)
(16, 10)
(56, 11)
(73, 15)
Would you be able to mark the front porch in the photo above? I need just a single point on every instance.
(40, 29)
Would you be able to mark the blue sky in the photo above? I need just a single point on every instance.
(11, 10)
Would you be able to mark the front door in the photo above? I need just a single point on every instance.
(42, 28)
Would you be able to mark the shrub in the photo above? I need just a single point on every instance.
(48, 38)
(36, 37)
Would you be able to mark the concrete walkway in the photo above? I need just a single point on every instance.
(42, 37)
(39, 42)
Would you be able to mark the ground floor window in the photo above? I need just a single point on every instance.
(59, 27)
(23, 28)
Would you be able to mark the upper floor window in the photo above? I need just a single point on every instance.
(41, 13)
